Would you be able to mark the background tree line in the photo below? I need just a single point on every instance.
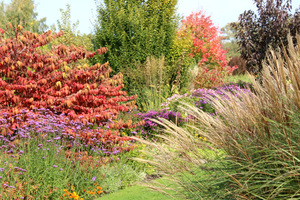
(147, 45)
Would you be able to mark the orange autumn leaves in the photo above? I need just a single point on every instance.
(203, 43)
(31, 78)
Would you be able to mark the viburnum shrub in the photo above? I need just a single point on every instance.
(31, 79)
(206, 49)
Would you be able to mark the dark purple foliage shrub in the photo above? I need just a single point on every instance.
(240, 63)
(256, 33)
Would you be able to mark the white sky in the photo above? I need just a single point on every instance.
(221, 11)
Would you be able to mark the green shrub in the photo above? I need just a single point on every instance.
(149, 81)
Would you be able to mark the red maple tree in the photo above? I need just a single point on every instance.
(206, 49)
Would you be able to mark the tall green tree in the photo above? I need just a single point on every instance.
(229, 41)
(72, 35)
(134, 30)
(22, 12)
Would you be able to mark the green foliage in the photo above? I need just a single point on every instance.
(45, 171)
(229, 41)
(150, 82)
(232, 49)
(71, 35)
(242, 78)
(22, 12)
(133, 31)
(180, 63)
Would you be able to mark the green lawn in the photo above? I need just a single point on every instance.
(236, 78)
(139, 192)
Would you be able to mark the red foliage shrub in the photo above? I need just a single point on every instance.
(31, 78)
(206, 49)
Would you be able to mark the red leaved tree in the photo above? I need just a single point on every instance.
(206, 49)
(31, 78)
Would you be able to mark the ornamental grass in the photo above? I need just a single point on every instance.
(252, 146)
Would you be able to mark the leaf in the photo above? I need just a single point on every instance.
(58, 84)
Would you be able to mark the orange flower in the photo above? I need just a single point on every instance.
(99, 188)
(99, 191)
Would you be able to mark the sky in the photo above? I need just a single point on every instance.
(221, 11)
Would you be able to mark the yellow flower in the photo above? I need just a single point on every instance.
(74, 195)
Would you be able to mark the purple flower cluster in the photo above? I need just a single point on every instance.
(151, 127)
(204, 93)
(201, 98)
(20, 169)
(55, 128)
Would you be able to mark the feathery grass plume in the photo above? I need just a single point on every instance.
(149, 81)
(252, 147)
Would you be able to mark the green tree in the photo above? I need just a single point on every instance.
(22, 12)
(229, 41)
(71, 34)
(134, 30)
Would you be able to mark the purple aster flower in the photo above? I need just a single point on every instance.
(54, 166)
(94, 178)
(21, 152)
